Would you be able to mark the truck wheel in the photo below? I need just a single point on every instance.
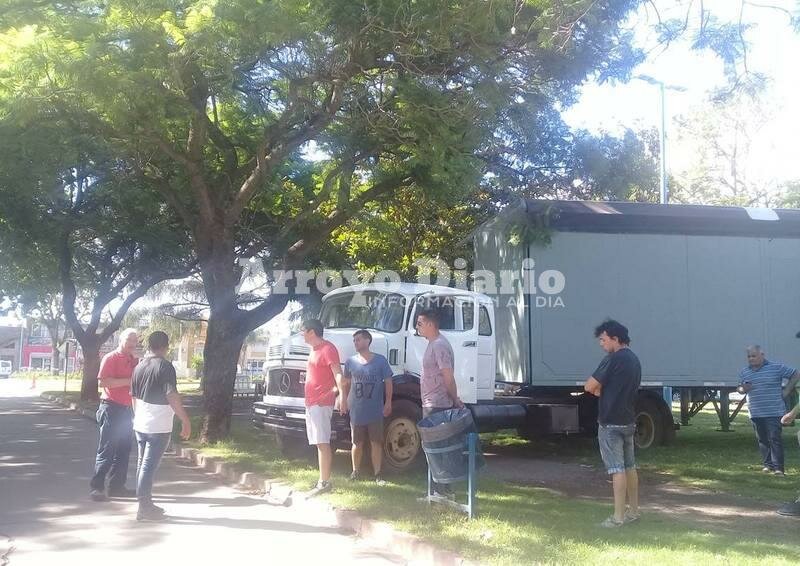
(402, 447)
(649, 423)
(294, 447)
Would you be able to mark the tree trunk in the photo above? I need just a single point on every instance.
(91, 367)
(220, 354)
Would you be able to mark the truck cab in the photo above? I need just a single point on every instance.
(388, 311)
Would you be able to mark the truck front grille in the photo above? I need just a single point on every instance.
(286, 383)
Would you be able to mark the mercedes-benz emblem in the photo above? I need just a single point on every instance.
(286, 383)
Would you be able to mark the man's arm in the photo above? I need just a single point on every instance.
(792, 382)
(593, 386)
(174, 400)
(109, 380)
(387, 396)
(347, 382)
(450, 385)
(336, 368)
(789, 417)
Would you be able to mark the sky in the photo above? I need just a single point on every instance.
(774, 49)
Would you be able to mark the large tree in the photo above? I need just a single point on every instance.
(214, 103)
(78, 228)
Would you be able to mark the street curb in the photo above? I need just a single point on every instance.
(381, 534)
(409, 546)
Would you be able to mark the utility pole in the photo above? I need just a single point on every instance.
(662, 131)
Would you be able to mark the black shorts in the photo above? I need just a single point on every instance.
(361, 432)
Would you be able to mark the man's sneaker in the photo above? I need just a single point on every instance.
(321, 487)
(612, 523)
(122, 492)
(379, 479)
(631, 517)
(150, 514)
(779, 473)
(97, 495)
(766, 469)
(355, 476)
(444, 490)
(152, 507)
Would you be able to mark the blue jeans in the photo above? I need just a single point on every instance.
(770, 442)
(151, 448)
(616, 447)
(114, 447)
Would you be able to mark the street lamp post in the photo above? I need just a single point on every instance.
(662, 131)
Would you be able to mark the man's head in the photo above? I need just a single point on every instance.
(312, 331)
(128, 340)
(755, 356)
(158, 343)
(428, 322)
(612, 336)
(362, 340)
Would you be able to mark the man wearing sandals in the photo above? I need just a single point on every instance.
(616, 382)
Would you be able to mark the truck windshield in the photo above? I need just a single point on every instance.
(369, 309)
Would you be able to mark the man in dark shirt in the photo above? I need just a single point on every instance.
(156, 400)
(616, 382)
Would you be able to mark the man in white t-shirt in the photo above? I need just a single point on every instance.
(156, 400)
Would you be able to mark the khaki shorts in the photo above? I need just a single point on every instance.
(373, 430)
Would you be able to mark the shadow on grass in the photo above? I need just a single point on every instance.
(520, 524)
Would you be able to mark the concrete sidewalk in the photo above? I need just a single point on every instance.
(46, 456)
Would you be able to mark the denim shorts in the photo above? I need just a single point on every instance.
(616, 447)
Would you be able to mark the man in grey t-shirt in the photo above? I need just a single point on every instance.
(438, 383)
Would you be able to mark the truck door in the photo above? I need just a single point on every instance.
(487, 367)
(458, 324)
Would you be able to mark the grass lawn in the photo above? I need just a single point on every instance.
(700, 457)
(531, 525)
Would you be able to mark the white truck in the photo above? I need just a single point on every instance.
(694, 284)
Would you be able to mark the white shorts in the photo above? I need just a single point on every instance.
(318, 424)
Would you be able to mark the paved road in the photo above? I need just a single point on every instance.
(46, 454)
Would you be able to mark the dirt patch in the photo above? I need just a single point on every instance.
(659, 493)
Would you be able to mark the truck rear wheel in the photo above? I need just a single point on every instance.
(649, 423)
(402, 447)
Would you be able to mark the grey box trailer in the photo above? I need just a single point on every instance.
(694, 284)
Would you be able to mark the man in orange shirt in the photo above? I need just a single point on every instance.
(115, 420)
(323, 381)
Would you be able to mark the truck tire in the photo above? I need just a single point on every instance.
(649, 423)
(294, 447)
(402, 447)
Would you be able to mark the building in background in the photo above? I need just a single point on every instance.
(38, 353)
(11, 338)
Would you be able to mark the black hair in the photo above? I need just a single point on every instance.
(157, 340)
(364, 333)
(432, 315)
(314, 325)
(614, 330)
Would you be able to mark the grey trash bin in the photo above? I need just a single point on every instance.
(444, 441)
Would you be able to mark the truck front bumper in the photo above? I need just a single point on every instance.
(291, 421)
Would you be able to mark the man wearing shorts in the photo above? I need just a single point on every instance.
(323, 379)
(367, 386)
(616, 382)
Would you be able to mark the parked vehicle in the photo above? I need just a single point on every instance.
(694, 284)
(5, 369)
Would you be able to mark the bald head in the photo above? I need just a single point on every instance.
(755, 356)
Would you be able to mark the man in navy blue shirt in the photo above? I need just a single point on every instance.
(616, 382)
(367, 386)
(761, 380)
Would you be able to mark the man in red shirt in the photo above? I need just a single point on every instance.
(323, 382)
(115, 420)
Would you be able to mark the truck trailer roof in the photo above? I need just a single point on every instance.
(649, 218)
